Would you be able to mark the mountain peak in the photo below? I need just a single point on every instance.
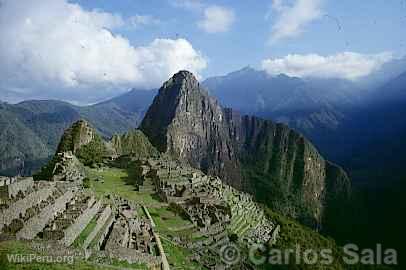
(79, 134)
(184, 75)
(180, 81)
(186, 123)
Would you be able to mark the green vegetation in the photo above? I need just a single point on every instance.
(31, 130)
(92, 153)
(86, 182)
(293, 234)
(20, 248)
(46, 172)
(178, 256)
(124, 264)
(17, 140)
(168, 222)
(85, 233)
(117, 181)
(276, 171)
(133, 143)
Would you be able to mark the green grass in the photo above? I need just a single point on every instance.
(178, 256)
(85, 233)
(100, 233)
(122, 182)
(166, 220)
(17, 247)
(292, 234)
(125, 264)
(117, 181)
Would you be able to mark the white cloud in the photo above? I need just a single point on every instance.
(291, 19)
(346, 65)
(217, 19)
(55, 48)
(137, 21)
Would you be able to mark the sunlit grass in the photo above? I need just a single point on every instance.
(117, 181)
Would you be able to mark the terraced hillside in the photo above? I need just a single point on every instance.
(190, 237)
(58, 219)
(139, 210)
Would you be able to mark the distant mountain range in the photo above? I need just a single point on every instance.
(364, 130)
(315, 107)
(31, 130)
(334, 114)
(344, 120)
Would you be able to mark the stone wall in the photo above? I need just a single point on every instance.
(36, 224)
(135, 257)
(165, 263)
(149, 216)
(73, 231)
(4, 180)
(118, 236)
(105, 232)
(19, 208)
(22, 185)
(101, 221)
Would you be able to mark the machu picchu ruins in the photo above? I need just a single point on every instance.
(215, 209)
(202, 135)
(61, 214)
(127, 202)
(57, 213)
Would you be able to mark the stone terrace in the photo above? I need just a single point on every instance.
(215, 209)
(65, 217)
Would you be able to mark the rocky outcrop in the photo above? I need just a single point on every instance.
(78, 135)
(80, 145)
(277, 164)
(185, 122)
(133, 143)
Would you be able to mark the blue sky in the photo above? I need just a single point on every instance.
(368, 26)
(85, 51)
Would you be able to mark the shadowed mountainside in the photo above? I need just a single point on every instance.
(270, 160)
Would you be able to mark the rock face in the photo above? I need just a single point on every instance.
(78, 135)
(284, 169)
(185, 122)
(270, 160)
(80, 145)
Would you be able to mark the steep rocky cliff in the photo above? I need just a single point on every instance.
(275, 163)
(185, 122)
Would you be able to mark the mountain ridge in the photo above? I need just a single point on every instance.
(41, 123)
(239, 149)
